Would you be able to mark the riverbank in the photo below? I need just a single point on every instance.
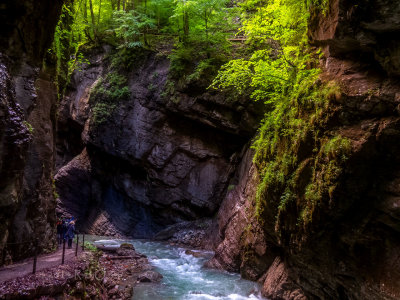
(92, 275)
(139, 269)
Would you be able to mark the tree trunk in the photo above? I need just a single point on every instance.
(158, 20)
(93, 19)
(118, 4)
(185, 25)
(207, 40)
(206, 19)
(98, 19)
(123, 4)
(85, 10)
(85, 17)
(130, 5)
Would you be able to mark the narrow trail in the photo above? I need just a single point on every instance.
(44, 261)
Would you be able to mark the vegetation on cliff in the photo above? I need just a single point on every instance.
(106, 95)
(298, 162)
(256, 49)
(193, 34)
(197, 29)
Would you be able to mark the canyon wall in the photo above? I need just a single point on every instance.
(27, 111)
(350, 249)
(151, 161)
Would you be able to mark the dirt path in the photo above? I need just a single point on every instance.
(43, 261)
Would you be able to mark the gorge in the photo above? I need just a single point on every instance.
(142, 136)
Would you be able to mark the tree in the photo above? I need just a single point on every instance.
(93, 19)
(131, 26)
(181, 12)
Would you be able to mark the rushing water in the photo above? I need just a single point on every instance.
(186, 279)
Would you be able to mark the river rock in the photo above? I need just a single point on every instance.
(150, 276)
(197, 254)
(201, 233)
(126, 250)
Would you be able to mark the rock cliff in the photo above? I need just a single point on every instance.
(28, 99)
(146, 161)
(350, 250)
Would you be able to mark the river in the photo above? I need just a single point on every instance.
(186, 279)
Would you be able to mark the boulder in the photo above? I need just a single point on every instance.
(150, 276)
(126, 250)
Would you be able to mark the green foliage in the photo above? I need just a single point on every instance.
(337, 148)
(283, 72)
(113, 87)
(107, 94)
(191, 62)
(197, 30)
(102, 111)
(205, 67)
(327, 169)
(76, 63)
(202, 19)
(89, 246)
(132, 27)
(125, 58)
(203, 27)
(62, 47)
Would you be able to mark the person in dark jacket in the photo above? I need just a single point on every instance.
(64, 228)
(60, 233)
(70, 233)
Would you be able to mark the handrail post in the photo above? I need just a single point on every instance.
(77, 245)
(63, 252)
(35, 256)
(83, 241)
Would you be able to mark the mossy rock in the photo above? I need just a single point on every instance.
(127, 246)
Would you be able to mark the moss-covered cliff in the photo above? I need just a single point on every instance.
(319, 200)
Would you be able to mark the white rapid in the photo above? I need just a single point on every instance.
(186, 279)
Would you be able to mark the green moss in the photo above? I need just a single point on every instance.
(327, 170)
(289, 129)
(28, 126)
(55, 194)
(102, 111)
(337, 148)
(151, 87)
(126, 58)
(206, 68)
(231, 187)
(107, 94)
(112, 88)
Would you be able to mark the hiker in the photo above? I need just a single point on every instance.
(64, 228)
(60, 232)
(70, 233)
